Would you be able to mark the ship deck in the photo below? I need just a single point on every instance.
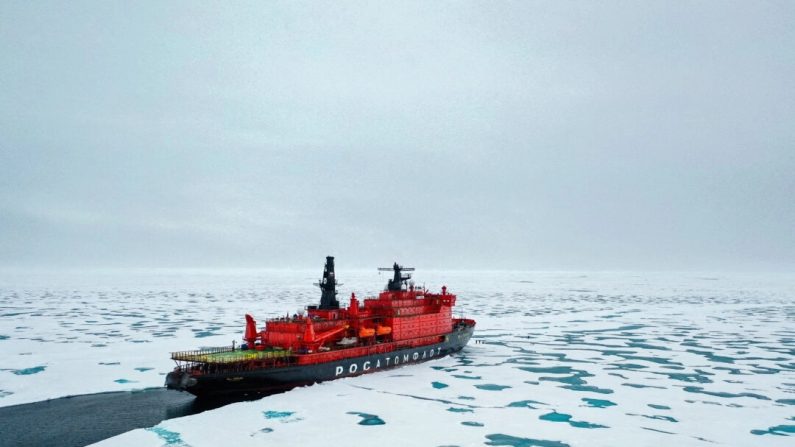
(227, 355)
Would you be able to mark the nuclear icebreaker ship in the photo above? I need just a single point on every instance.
(402, 325)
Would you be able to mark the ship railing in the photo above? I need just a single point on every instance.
(191, 355)
(227, 355)
(265, 361)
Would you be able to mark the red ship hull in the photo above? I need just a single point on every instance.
(277, 379)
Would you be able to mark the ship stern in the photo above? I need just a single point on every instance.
(179, 380)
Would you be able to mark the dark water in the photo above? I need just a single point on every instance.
(80, 420)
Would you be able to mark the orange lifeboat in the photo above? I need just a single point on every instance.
(383, 330)
(366, 332)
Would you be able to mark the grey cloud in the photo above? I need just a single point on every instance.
(617, 135)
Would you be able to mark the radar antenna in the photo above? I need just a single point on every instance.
(398, 281)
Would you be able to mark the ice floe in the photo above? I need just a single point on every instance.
(558, 359)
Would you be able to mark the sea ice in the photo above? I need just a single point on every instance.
(558, 359)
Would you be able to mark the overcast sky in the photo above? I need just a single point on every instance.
(518, 135)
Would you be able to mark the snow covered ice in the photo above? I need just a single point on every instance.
(578, 359)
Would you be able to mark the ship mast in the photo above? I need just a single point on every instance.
(328, 286)
(399, 279)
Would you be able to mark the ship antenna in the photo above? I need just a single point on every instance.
(399, 280)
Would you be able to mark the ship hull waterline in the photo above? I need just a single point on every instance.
(274, 380)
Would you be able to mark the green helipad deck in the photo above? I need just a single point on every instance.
(228, 355)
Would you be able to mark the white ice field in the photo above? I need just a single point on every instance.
(558, 359)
